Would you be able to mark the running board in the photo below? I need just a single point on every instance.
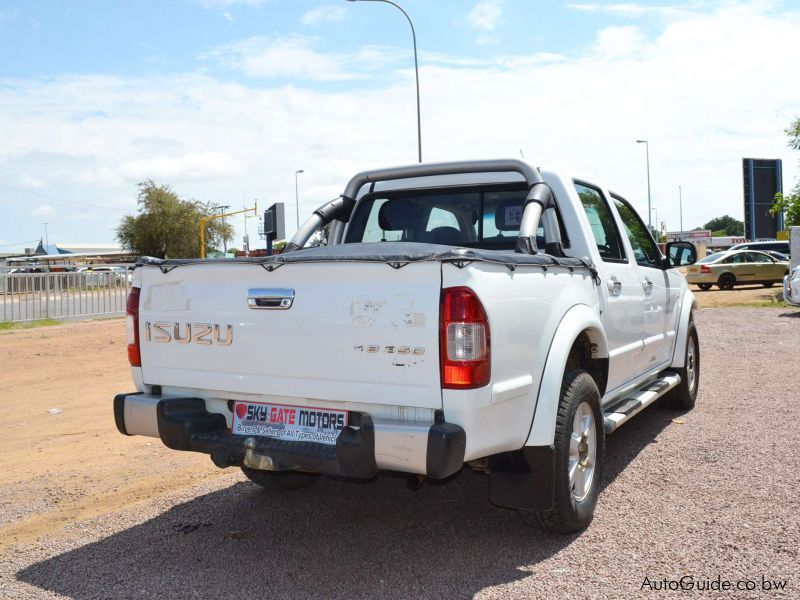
(622, 410)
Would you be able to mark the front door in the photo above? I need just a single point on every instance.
(660, 300)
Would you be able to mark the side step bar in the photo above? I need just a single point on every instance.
(624, 409)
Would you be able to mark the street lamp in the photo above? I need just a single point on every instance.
(416, 67)
(297, 197)
(680, 204)
(46, 240)
(647, 148)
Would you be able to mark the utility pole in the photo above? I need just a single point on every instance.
(680, 204)
(46, 241)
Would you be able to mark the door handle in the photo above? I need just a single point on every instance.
(614, 285)
(647, 285)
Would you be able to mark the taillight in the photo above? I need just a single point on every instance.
(132, 327)
(705, 269)
(463, 340)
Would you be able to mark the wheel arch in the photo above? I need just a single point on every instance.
(579, 341)
(688, 305)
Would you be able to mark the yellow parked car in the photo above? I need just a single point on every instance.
(727, 269)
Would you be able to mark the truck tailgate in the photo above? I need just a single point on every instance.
(358, 332)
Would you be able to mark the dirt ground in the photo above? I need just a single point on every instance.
(756, 295)
(88, 513)
(59, 468)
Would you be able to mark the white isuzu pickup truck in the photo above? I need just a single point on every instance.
(485, 315)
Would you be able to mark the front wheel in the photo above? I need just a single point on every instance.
(768, 284)
(579, 447)
(683, 397)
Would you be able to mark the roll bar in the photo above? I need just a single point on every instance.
(539, 197)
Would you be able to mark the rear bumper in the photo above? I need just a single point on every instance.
(362, 449)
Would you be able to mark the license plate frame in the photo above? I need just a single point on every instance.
(288, 422)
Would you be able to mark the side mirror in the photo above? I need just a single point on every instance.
(680, 254)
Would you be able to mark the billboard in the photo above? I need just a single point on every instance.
(762, 180)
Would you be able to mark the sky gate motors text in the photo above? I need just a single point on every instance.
(291, 416)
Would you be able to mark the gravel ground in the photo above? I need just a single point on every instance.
(710, 493)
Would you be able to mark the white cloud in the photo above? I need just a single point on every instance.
(92, 137)
(193, 166)
(224, 3)
(44, 211)
(633, 10)
(485, 15)
(290, 56)
(327, 13)
(228, 16)
(619, 42)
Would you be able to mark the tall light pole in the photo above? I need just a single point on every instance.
(46, 241)
(297, 196)
(416, 68)
(680, 204)
(647, 148)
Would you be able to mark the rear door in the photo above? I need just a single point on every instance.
(659, 318)
(621, 288)
(358, 332)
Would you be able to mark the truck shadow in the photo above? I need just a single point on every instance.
(331, 540)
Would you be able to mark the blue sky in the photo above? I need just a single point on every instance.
(225, 99)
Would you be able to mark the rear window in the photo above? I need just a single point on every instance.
(478, 219)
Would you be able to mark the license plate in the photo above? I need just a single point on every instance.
(291, 423)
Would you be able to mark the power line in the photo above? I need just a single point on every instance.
(49, 198)
(19, 243)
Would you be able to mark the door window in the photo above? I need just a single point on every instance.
(758, 257)
(601, 221)
(645, 250)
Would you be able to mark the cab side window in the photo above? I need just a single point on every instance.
(645, 250)
(604, 228)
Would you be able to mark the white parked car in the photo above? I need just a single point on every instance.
(791, 287)
(487, 315)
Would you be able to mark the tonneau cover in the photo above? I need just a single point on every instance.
(395, 254)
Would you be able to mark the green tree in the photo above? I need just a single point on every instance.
(725, 225)
(169, 227)
(789, 203)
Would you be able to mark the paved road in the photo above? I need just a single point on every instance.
(710, 493)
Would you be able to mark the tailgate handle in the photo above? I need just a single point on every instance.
(270, 298)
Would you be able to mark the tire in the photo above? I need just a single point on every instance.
(683, 397)
(579, 408)
(726, 281)
(286, 480)
(768, 284)
(705, 286)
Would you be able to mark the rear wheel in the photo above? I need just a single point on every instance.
(704, 286)
(726, 281)
(580, 447)
(287, 480)
(683, 397)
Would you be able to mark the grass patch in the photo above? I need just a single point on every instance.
(9, 325)
(776, 301)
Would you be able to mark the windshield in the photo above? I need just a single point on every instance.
(476, 219)
(711, 257)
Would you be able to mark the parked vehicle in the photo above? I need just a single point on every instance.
(781, 246)
(728, 269)
(485, 314)
(791, 287)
